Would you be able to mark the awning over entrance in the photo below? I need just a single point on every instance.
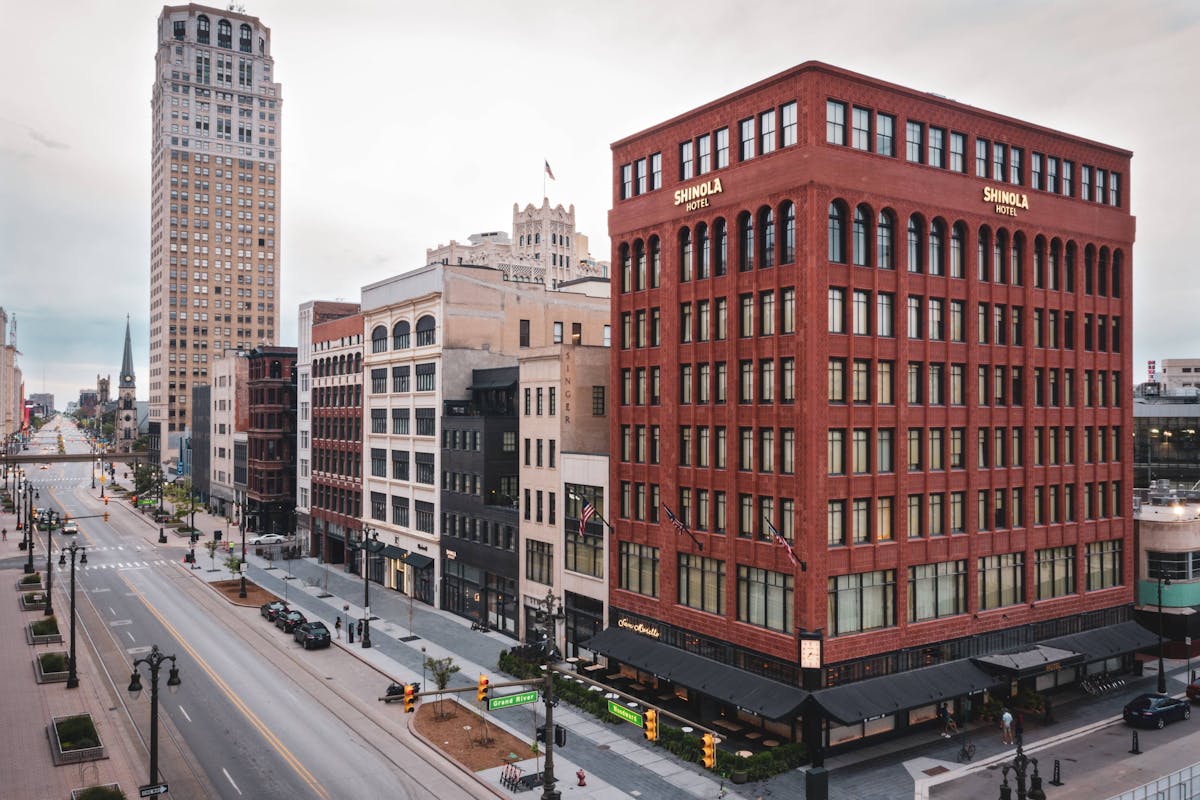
(418, 561)
(492, 384)
(891, 694)
(723, 682)
(391, 551)
(1106, 642)
(1035, 659)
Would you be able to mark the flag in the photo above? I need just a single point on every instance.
(784, 543)
(588, 512)
(549, 171)
(680, 527)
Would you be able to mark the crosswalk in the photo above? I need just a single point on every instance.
(126, 558)
(123, 565)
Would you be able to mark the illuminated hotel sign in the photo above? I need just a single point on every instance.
(639, 627)
(696, 195)
(1006, 202)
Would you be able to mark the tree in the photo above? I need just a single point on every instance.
(441, 669)
(233, 563)
(211, 545)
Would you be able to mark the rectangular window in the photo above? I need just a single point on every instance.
(885, 135)
(1001, 580)
(702, 583)
(686, 167)
(766, 132)
(703, 154)
(937, 590)
(862, 128)
(835, 122)
(861, 602)
(765, 598)
(1104, 564)
(981, 158)
(1055, 572)
(915, 139)
(746, 138)
(998, 161)
(958, 152)
(787, 122)
(722, 137)
(539, 561)
(937, 147)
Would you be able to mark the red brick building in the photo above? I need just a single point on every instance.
(271, 440)
(896, 329)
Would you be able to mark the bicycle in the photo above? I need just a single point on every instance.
(967, 751)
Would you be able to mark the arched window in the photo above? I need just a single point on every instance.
(914, 244)
(1117, 264)
(837, 233)
(685, 255)
(982, 247)
(262, 46)
(244, 38)
(276, 369)
(626, 269)
(720, 240)
(958, 239)
(202, 29)
(998, 245)
(937, 247)
(766, 250)
(426, 331)
(400, 335)
(885, 241)
(1054, 274)
(1016, 260)
(655, 262)
(1039, 263)
(357, 364)
(224, 34)
(702, 251)
(745, 241)
(1069, 268)
(1089, 269)
(1102, 273)
(787, 224)
(860, 239)
(379, 339)
(639, 254)
(341, 365)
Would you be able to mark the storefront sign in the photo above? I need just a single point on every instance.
(639, 627)
(696, 195)
(1006, 202)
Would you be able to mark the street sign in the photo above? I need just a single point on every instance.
(618, 710)
(152, 791)
(507, 700)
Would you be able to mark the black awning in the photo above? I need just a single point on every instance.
(1106, 642)
(496, 384)
(1029, 661)
(723, 682)
(891, 694)
(391, 551)
(418, 561)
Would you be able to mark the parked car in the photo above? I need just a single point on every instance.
(288, 620)
(1156, 710)
(271, 610)
(267, 538)
(1193, 692)
(312, 634)
(70, 527)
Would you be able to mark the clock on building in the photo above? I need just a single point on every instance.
(127, 378)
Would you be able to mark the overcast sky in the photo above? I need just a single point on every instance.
(409, 124)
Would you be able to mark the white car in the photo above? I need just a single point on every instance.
(70, 527)
(267, 538)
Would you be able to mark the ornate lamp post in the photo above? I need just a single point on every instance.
(49, 566)
(368, 545)
(72, 678)
(1020, 768)
(553, 656)
(154, 661)
(242, 527)
(1162, 673)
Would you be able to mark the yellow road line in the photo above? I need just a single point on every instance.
(254, 720)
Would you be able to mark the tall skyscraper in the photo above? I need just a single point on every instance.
(214, 267)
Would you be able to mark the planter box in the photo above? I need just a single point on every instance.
(31, 587)
(33, 605)
(49, 638)
(75, 756)
(41, 676)
(77, 793)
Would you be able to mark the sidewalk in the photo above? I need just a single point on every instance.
(27, 706)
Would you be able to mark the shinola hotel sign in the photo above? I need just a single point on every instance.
(1006, 202)
(696, 195)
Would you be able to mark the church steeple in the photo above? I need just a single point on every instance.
(127, 360)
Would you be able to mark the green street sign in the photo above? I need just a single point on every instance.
(507, 700)
(618, 710)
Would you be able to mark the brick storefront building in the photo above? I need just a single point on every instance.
(271, 441)
(896, 329)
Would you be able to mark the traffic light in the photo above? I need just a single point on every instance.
(709, 757)
(650, 727)
(106, 500)
(134, 498)
(540, 734)
(410, 698)
(106, 516)
(482, 694)
(560, 736)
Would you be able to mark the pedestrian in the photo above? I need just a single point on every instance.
(1006, 730)
(350, 633)
(360, 628)
(1047, 711)
(5, 533)
(944, 717)
(337, 627)
(1019, 728)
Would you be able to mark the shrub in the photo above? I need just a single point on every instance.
(77, 733)
(101, 793)
(34, 578)
(34, 597)
(44, 627)
(53, 662)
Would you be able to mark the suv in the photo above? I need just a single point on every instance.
(1193, 692)
(312, 634)
(288, 620)
(272, 609)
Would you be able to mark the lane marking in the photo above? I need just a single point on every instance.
(234, 699)
(185, 714)
(130, 635)
(110, 610)
(231, 783)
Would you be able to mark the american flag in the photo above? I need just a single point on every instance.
(676, 521)
(549, 171)
(588, 512)
(784, 543)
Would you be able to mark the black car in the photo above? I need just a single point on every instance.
(271, 610)
(312, 634)
(287, 620)
(1156, 710)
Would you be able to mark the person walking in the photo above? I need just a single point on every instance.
(1006, 727)
(1019, 729)
(337, 627)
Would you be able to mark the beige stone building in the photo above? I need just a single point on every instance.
(12, 397)
(215, 202)
(230, 420)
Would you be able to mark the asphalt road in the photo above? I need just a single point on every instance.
(253, 716)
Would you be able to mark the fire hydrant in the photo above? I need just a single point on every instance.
(582, 777)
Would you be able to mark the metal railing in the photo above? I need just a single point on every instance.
(1179, 785)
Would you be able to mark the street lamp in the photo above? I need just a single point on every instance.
(242, 527)
(1020, 767)
(72, 678)
(368, 545)
(550, 650)
(50, 564)
(1162, 674)
(154, 661)
(31, 494)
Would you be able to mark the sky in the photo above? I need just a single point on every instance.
(408, 124)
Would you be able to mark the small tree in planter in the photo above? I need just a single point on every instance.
(441, 669)
(44, 627)
(32, 579)
(233, 564)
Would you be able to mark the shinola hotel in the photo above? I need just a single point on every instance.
(896, 328)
